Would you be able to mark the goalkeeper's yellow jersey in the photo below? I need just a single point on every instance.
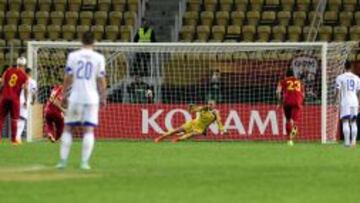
(204, 118)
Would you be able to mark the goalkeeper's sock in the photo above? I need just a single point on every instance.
(20, 129)
(88, 145)
(346, 132)
(66, 141)
(354, 132)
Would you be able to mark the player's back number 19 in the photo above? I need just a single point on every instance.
(350, 85)
(84, 70)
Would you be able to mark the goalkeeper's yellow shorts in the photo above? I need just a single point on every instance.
(192, 126)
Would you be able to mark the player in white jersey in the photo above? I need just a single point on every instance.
(85, 74)
(32, 89)
(347, 88)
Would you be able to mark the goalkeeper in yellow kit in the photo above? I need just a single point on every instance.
(206, 115)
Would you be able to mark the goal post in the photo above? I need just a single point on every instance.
(151, 85)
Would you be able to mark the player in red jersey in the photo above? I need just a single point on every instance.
(13, 81)
(290, 91)
(54, 116)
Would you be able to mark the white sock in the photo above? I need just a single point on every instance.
(20, 128)
(346, 131)
(354, 131)
(88, 145)
(66, 140)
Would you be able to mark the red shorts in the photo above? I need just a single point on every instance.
(10, 105)
(292, 112)
(54, 124)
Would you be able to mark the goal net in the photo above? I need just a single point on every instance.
(151, 85)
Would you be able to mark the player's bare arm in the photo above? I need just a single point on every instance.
(25, 87)
(219, 123)
(278, 95)
(57, 103)
(102, 89)
(66, 85)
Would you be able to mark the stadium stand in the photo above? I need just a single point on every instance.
(268, 20)
(21, 21)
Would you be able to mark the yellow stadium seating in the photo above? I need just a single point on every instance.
(249, 32)
(237, 18)
(218, 32)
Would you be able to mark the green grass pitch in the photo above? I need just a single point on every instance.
(183, 172)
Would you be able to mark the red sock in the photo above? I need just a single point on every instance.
(13, 129)
(288, 128)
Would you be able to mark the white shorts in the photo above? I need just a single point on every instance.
(24, 112)
(82, 114)
(349, 112)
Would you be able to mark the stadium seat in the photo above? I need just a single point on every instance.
(133, 5)
(15, 5)
(27, 17)
(346, 18)
(2, 17)
(357, 17)
(268, 17)
(100, 18)
(44, 5)
(104, 5)
(210, 5)
(256, 5)
(299, 18)
(118, 5)
(115, 18)
(349, 5)
(203, 32)
(30, 5)
(249, 32)
(325, 33)
(331, 17)
(340, 33)
(279, 33)
(287, 5)
(53, 32)
(42, 17)
(3, 4)
(187, 33)
(81, 29)
(334, 5)
(24, 32)
(10, 31)
(307, 30)
(12, 17)
(39, 32)
(233, 31)
(57, 17)
(312, 15)
(68, 32)
(194, 5)
(284, 17)
(271, 5)
(88, 5)
(11, 57)
(98, 32)
(130, 18)
(241, 5)
(352, 57)
(111, 32)
(253, 17)
(86, 17)
(222, 18)
(60, 5)
(303, 5)
(74, 5)
(237, 18)
(263, 33)
(355, 33)
(218, 32)
(71, 17)
(191, 18)
(226, 5)
(294, 33)
(126, 33)
(207, 18)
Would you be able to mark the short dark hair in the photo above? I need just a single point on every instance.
(347, 65)
(290, 72)
(28, 70)
(88, 38)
